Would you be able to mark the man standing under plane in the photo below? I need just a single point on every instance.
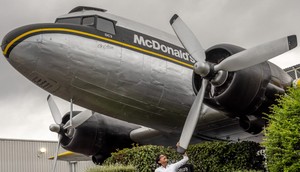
(162, 160)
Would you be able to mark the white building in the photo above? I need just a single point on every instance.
(32, 156)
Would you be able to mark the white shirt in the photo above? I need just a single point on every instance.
(173, 167)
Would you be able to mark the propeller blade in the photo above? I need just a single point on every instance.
(54, 110)
(192, 119)
(187, 39)
(56, 154)
(257, 54)
(78, 119)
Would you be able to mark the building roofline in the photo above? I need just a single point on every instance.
(26, 140)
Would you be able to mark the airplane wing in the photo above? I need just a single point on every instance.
(72, 156)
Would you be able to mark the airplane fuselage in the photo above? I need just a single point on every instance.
(130, 71)
(126, 74)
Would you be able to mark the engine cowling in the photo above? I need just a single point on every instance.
(98, 136)
(245, 94)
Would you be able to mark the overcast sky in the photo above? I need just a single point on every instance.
(24, 111)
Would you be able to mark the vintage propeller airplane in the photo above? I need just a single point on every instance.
(140, 85)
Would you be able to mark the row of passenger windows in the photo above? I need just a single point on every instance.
(101, 24)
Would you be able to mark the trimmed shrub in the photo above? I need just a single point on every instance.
(207, 156)
(115, 168)
(226, 156)
(142, 157)
(282, 140)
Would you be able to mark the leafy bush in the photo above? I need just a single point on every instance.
(115, 168)
(142, 157)
(207, 156)
(282, 134)
(224, 156)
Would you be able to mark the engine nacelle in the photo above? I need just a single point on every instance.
(245, 93)
(98, 136)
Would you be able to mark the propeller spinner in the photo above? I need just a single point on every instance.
(203, 68)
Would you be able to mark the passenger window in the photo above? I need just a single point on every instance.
(88, 21)
(105, 26)
(74, 20)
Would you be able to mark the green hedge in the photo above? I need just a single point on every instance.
(224, 156)
(282, 134)
(207, 156)
(142, 157)
(114, 168)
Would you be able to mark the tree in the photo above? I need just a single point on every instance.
(282, 140)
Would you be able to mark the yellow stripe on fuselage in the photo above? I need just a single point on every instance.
(94, 36)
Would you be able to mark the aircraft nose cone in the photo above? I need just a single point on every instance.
(3, 45)
(20, 47)
(12, 38)
(6, 44)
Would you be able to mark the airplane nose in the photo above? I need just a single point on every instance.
(14, 37)
(6, 40)
(3, 45)
(20, 47)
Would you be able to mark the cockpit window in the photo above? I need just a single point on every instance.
(75, 20)
(88, 21)
(101, 24)
(105, 26)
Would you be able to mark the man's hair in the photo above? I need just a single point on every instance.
(158, 158)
